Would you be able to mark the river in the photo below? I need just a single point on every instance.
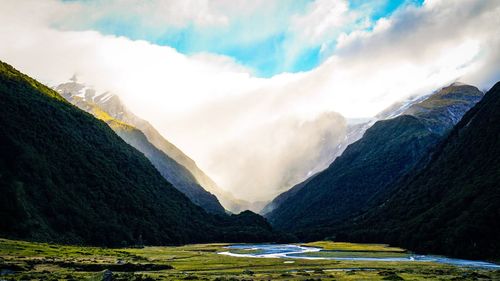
(290, 251)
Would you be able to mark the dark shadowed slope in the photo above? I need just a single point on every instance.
(386, 151)
(179, 176)
(67, 177)
(366, 169)
(109, 108)
(115, 108)
(452, 206)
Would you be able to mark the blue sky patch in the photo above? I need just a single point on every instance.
(260, 46)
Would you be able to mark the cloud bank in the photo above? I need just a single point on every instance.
(258, 136)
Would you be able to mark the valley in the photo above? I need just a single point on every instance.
(298, 140)
(21, 260)
(48, 197)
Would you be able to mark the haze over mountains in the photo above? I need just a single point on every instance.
(451, 203)
(172, 164)
(388, 150)
(67, 177)
(426, 177)
(286, 121)
(175, 166)
(207, 100)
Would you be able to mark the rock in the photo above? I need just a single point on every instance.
(105, 275)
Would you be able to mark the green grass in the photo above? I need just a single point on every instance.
(348, 254)
(346, 246)
(41, 261)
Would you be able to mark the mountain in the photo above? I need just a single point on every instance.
(444, 109)
(364, 172)
(354, 132)
(399, 108)
(110, 109)
(114, 107)
(452, 204)
(66, 177)
(283, 197)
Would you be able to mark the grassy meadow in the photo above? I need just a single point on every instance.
(21, 260)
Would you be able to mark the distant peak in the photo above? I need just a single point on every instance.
(74, 78)
(459, 87)
(458, 83)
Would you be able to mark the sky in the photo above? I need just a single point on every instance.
(255, 91)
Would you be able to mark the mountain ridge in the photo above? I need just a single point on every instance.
(452, 201)
(367, 167)
(118, 117)
(66, 177)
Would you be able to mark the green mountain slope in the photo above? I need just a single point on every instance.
(179, 176)
(445, 108)
(366, 169)
(386, 151)
(67, 177)
(452, 205)
(280, 199)
(116, 109)
(171, 170)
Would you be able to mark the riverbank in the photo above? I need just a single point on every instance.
(347, 252)
(21, 260)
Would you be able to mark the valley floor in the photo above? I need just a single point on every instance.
(21, 260)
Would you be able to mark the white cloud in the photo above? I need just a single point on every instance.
(256, 136)
(320, 25)
(323, 21)
(151, 13)
(418, 49)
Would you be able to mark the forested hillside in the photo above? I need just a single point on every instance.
(67, 177)
(109, 108)
(368, 169)
(452, 206)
